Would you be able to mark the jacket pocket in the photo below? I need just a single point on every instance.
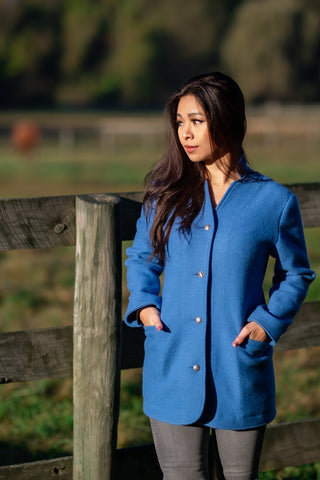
(149, 329)
(257, 349)
(256, 378)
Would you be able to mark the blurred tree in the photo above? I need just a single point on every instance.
(308, 80)
(185, 39)
(175, 42)
(106, 52)
(134, 53)
(127, 71)
(153, 47)
(28, 50)
(273, 47)
(85, 27)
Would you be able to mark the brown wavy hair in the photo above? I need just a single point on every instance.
(174, 188)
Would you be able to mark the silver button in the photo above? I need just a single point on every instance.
(207, 227)
(196, 368)
(198, 319)
(200, 274)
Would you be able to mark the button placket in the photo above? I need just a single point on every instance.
(196, 368)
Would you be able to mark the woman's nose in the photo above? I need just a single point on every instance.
(186, 133)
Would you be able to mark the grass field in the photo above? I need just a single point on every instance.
(36, 417)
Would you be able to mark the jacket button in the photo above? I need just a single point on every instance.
(200, 274)
(198, 319)
(207, 227)
(196, 368)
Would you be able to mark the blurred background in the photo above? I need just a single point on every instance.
(82, 89)
(134, 53)
(83, 84)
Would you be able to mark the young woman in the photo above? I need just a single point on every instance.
(211, 223)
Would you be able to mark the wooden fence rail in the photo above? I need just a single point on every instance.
(99, 345)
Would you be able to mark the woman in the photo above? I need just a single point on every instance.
(211, 223)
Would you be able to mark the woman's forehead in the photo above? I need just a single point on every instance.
(189, 105)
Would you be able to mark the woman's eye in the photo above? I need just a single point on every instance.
(196, 121)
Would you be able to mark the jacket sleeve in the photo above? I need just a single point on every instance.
(143, 274)
(292, 275)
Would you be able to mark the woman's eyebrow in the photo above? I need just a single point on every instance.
(191, 114)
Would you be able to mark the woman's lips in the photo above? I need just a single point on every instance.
(190, 148)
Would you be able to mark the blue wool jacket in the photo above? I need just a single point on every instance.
(212, 287)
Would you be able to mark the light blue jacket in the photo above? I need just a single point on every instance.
(212, 286)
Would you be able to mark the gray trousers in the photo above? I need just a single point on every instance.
(183, 451)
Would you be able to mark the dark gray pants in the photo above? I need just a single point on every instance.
(183, 451)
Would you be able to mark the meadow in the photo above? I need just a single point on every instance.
(36, 287)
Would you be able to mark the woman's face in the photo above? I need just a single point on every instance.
(193, 131)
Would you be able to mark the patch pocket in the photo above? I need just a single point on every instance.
(257, 377)
(149, 328)
(257, 349)
(156, 351)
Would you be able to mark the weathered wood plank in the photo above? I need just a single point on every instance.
(42, 222)
(290, 444)
(136, 463)
(37, 222)
(308, 195)
(304, 332)
(286, 444)
(134, 196)
(35, 354)
(96, 337)
(50, 221)
(46, 353)
(60, 468)
(305, 329)
(309, 200)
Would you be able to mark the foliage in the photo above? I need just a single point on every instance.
(272, 49)
(131, 53)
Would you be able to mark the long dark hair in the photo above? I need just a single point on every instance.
(175, 186)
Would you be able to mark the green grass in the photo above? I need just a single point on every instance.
(305, 472)
(85, 169)
(288, 161)
(36, 290)
(33, 414)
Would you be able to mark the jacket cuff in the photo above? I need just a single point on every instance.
(272, 325)
(132, 317)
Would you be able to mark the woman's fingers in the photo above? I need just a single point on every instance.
(243, 335)
(253, 331)
(150, 316)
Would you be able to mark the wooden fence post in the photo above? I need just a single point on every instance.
(96, 338)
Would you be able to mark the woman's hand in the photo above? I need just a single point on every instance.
(253, 331)
(150, 316)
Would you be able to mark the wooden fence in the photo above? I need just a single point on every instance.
(98, 345)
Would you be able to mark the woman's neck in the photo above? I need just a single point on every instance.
(220, 176)
(221, 173)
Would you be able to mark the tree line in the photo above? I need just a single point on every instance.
(134, 53)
